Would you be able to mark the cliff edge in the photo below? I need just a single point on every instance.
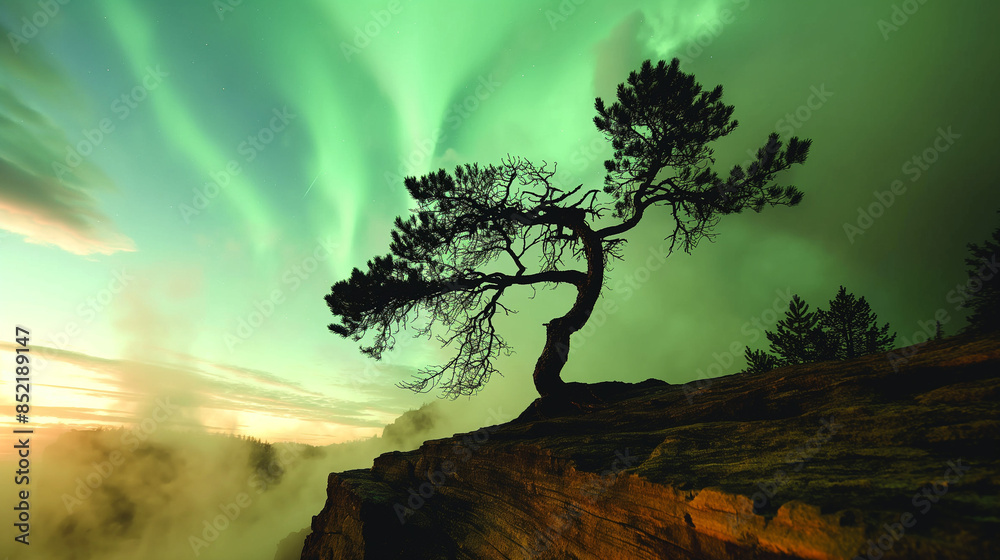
(888, 456)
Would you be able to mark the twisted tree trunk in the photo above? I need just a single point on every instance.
(557, 331)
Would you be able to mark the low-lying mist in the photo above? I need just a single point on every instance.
(118, 494)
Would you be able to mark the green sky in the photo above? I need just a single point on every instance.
(170, 170)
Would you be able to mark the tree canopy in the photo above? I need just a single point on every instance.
(795, 340)
(852, 328)
(481, 230)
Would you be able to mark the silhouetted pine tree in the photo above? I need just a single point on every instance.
(851, 328)
(759, 361)
(795, 340)
(824, 345)
(477, 233)
(984, 301)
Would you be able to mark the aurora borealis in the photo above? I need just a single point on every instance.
(181, 183)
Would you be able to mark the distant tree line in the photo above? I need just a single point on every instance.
(848, 328)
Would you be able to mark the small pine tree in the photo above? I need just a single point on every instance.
(938, 330)
(852, 329)
(795, 340)
(759, 361)
(984, 289)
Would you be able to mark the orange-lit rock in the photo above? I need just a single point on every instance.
(818, 461)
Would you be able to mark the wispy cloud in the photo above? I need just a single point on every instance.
(201, 389)
(46, 204)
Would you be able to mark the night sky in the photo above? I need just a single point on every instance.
(182, 182)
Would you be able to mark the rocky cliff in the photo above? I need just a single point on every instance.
(888, 456)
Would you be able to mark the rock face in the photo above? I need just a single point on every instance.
(888, 456)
